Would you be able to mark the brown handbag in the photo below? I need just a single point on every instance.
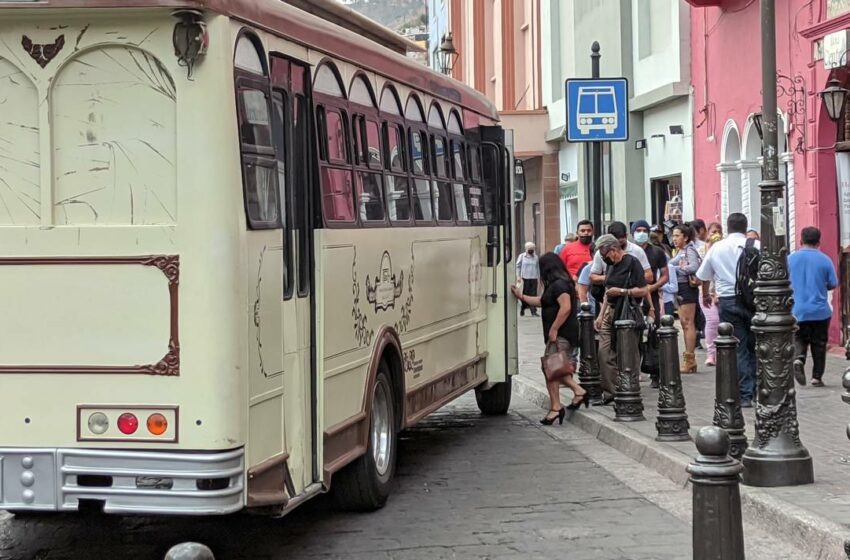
(556, 362)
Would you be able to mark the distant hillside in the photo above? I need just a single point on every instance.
(395, 14)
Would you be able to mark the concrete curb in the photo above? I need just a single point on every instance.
(800, 527)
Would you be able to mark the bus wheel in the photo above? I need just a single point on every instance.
(495, 400)
(365, 484)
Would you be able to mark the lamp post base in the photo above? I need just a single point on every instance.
(769, 469)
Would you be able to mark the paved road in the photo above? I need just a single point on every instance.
(468, 487)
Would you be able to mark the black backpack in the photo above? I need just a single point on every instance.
(745, 276)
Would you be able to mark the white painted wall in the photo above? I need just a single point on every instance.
(660, 44)
(672, 154)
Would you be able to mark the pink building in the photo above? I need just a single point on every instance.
(812, 43)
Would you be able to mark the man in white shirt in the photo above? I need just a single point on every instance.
(527, 270)
(720, 265)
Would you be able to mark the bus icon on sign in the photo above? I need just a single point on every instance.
(597, 109)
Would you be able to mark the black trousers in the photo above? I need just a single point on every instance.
(529, 288)
(816, 335)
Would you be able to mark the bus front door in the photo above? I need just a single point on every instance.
(281, 407)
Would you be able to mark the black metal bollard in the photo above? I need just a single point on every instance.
(189, 551)
(672, 422)
(628, 404)
(727, 400)
(718, 531)
(588, 371)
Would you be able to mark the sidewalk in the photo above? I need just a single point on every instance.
(814, 517)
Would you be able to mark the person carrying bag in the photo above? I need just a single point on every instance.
(560, 328)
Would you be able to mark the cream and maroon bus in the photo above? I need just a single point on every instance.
(241, 248)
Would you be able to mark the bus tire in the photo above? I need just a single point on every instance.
(365, 484)
(496, 400)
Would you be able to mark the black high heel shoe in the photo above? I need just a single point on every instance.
(583, 400)
(560, 417)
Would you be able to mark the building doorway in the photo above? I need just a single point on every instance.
(666, 195)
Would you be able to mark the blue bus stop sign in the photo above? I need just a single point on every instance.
(597, 110)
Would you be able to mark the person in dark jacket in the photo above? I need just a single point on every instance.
(560, 327)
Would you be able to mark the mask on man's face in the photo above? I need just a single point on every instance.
(641, 237)
(531, 251)
(607, 260)
(585, 239)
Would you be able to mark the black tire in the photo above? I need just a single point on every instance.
(496, 400)
(362, 485)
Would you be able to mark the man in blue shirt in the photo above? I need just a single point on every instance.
(812, 276)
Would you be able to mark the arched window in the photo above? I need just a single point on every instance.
(333, 129)
(396, 181)
(367, 149)
(420, 167)
(441, 186)
(259, 166)
(455, 127)
(327, 81)
(389, 101)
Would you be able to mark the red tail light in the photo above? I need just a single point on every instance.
(128, 423)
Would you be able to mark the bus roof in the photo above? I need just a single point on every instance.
(295, 24)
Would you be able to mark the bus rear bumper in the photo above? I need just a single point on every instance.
(124, 482)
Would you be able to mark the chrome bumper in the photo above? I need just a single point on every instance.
(125, 482)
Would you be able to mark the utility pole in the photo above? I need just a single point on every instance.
(777, 456)
(596, 154)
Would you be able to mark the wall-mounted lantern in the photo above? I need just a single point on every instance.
(834, 97)
(758, 122)
(190, 38)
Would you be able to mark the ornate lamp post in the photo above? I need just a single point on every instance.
(447, 54)
(777, 456)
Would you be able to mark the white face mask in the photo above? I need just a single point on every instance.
(641, 237)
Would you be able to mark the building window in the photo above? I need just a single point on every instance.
(837, 7)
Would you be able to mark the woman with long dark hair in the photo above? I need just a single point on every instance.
(560, 326)
(686, 262)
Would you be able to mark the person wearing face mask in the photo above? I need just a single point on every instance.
(527, 269)
(578, 252)
(658, 266)
(624, 279)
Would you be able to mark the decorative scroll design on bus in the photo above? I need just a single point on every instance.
(362, 333)
(387, 288)
(407, 308)
(169, 265)
(43, 54)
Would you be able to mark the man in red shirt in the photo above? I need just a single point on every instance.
(578, 252)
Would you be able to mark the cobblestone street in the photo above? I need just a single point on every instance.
(468, 487)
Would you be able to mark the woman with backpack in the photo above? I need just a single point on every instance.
(686, 262)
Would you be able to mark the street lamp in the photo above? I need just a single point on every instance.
(776, 457)
(447, 54)
(758, 121)
(833, 98)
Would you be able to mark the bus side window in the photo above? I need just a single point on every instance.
(259, 168)
(336, 179)
(422, 208)
(476, 192)
(396, 181)
(300, 177)
(459, 173)
(442, 188)
(281, 123)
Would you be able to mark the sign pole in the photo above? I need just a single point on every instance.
(596, 153)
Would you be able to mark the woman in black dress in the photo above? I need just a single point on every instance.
(560, 327)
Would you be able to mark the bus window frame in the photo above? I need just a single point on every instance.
(416, 127)
(253, 154)
(456, 140)
(388, 121)
(321, 103)
(361, 163)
